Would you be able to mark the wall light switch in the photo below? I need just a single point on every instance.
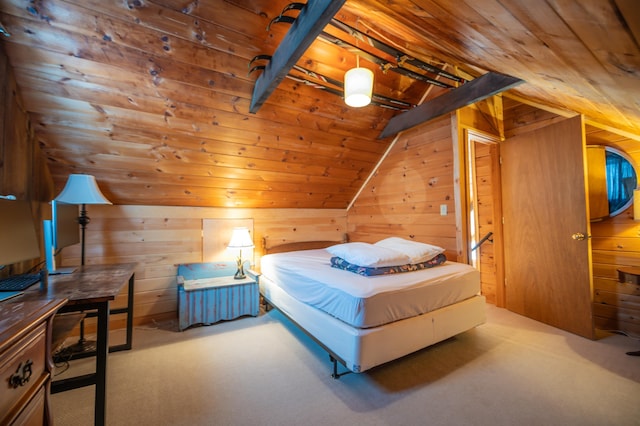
(443, 209)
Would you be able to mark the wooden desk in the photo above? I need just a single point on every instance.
(91, 288)
(25, 360)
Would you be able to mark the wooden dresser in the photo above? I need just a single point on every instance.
(25, 361)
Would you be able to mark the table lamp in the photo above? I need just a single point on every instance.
(240, 239)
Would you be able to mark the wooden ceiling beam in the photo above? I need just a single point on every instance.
(476, 90)
(310, 22)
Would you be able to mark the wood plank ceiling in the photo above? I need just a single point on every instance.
(153, 97)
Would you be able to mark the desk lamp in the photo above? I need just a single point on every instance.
(82, 189)
(240, 239)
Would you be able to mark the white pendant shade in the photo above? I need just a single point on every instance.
(82, 189)
(358, 87)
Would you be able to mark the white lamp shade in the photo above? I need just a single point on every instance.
(240, 239)
(82, 189)
(358, 87)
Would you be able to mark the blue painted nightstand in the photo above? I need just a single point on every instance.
(208, 293)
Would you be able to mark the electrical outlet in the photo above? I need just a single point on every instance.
(443, 209)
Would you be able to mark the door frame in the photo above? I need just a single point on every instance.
(471, 137)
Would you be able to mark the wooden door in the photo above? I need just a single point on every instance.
(547, 271)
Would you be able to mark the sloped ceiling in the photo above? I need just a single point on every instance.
(152, 97)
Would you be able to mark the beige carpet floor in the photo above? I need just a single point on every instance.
(264, 371)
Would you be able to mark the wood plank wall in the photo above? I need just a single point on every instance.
(159, 238)
(404, 196)
(23, 172)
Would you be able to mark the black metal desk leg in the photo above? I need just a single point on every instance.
(102, 350)
(130, 312)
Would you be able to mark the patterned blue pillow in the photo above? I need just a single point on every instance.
(337, 262)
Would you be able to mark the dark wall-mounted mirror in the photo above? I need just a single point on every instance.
(612, 179)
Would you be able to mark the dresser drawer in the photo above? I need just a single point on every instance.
(22, 367)
(34, 413)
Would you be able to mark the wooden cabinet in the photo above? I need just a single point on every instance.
(25, 361)
(617, 301)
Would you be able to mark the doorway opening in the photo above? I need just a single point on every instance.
(485, 213)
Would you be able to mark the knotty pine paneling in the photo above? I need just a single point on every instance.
(523, 117)
(403, 197)
(160, 112)
(159, 238)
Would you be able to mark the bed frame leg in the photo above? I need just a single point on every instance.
(335, 373)
(267, 305)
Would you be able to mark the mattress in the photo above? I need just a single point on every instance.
(362, 301)
(360, 349)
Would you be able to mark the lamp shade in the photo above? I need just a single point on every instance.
(240, 239)
(82, 189)
(358, 87)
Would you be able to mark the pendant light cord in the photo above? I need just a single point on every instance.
(357, 47)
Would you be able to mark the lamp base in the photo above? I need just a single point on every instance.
(83, 346)
(240, 272)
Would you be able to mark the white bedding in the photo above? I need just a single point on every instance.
(368, 301)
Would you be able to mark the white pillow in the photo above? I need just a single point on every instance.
(368, 255)
(417, 252)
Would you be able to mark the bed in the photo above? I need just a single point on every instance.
(365, 321)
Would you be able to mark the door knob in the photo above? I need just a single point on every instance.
(578, 236)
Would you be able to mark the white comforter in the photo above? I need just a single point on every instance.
(368, 301)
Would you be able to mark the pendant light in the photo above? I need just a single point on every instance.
(358, 85)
